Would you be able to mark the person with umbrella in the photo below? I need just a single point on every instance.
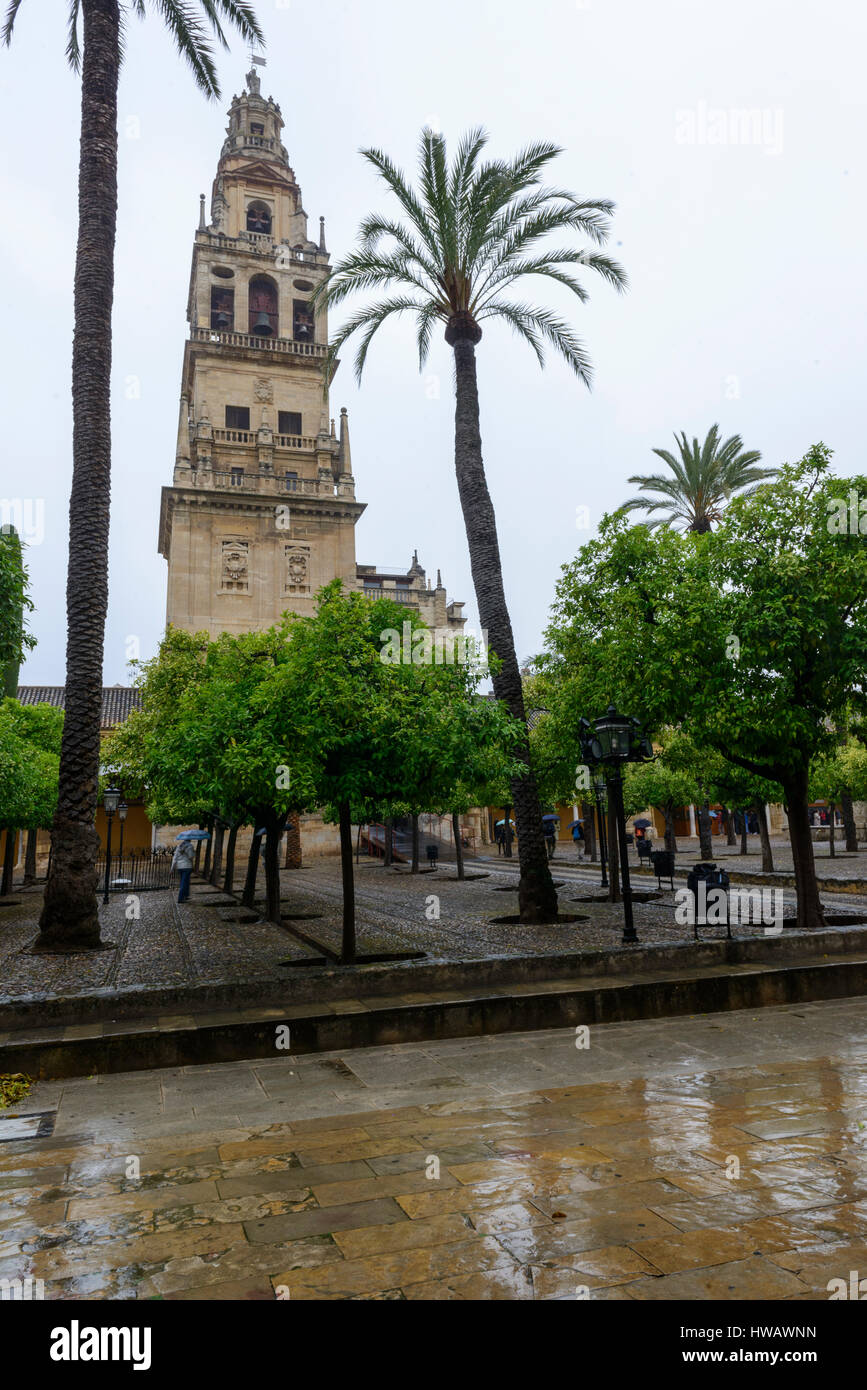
(578, 836)
(550, 826)
(185, 857)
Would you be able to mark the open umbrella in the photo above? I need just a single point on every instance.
(642, 823)
(193, 835)
(556, 818)
(502, 822)
(572, 824)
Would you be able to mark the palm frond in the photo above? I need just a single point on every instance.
(552, 329)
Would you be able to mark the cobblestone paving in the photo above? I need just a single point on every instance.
(204, 941)
(712, 1157)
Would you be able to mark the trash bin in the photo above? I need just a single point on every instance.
(706, 897)
(663, 865)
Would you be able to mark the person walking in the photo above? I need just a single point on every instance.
(183, 859)
(578, 837)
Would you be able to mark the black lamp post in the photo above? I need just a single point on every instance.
(618, 739)
(110, 799)
(121, 815)
(599, 789)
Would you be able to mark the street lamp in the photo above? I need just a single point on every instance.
(110, 799)
(121, 815)
(599, 789)
(617, 739)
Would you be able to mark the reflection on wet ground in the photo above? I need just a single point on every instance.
(713, 1157)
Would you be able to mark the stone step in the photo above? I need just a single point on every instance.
(136, 1044)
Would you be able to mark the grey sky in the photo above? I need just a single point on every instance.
(746, 262)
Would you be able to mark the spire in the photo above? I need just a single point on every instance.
(439, 580)
(183, 453)
(322, 235)
(344, 456)
(202, 226)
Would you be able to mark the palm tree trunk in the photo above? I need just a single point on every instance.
(70, 915)
(459, 849)
(848, 809)
(537, 898)
(670, 837)
(293, 841)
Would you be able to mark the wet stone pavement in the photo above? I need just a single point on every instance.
(723, 1156)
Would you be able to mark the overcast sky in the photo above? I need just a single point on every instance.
(746, 262)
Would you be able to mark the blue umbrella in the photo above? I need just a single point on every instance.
(193, 835)
(573, 824)
(556, 818)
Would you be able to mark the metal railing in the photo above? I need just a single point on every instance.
(139, 871)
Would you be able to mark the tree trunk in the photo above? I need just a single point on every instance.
(728, 816)
(670, 839)
(70, 911)
(293, 841)
(248, 897)
(388, 858)
(347, 954)
(459, 849)
(198, 851)
(206, 871)
(217, 860)
(414, 864)
(229, 876)
(589, 829)
(848, 810)
(764, 834)
(30, 859)
(745, 830)
(807, 889)
(8, 863)
(832, 845)
(614, 894)
(705, 842)
(272, 868)
(507, 831)
(537, 898)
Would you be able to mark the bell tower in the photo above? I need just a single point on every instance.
(262, 511)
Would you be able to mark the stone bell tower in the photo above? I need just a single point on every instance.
(262, 509)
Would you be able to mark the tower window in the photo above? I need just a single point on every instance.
(291, 482)
(259, 218)
(263, 308)
(289, 422)
(256, 128)
(237, 417)
(302, 321)
(222, 309)
(237, 477)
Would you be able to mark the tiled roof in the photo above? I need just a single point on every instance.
(117, 700)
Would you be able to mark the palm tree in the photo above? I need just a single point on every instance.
(467, 235)
(70, 912)
(702, 480)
